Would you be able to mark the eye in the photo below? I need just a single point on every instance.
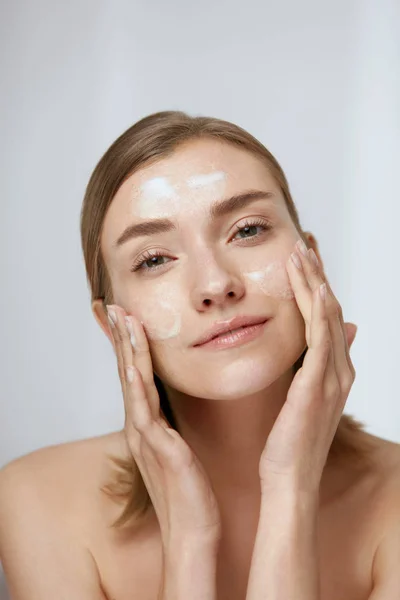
(252, 224)
(140, 263)
(145, 258)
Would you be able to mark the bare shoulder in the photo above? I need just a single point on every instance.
(387, 467)
(387, 492)
(67, 476)
(49, 504)
(380, 487)
(386, 521)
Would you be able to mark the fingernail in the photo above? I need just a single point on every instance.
(129, 326)
(112, 317)
(296, 260)
(302, 247)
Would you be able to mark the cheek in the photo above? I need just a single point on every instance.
(161, 314)
(271, 280)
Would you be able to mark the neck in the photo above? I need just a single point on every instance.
(228, 437)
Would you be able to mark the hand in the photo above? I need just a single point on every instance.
(178, 485)
(298, 445)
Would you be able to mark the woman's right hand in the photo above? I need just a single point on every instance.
(176, 481)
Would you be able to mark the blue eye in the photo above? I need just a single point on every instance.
(151, 255)
(253, 224)
(146, 257)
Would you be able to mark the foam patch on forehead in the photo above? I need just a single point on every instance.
(200, 180)
(156, 187)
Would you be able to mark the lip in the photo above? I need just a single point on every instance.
(225, 326)
(243, 336)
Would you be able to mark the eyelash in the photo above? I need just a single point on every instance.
(153, 254)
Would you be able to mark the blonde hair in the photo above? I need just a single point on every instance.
(150, 140)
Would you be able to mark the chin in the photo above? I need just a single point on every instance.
(239, 379)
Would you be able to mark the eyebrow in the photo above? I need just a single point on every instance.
(217, 210)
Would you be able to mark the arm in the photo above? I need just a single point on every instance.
(285, 562)
(42, 560)
(189, 571)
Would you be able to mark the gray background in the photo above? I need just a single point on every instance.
(316, 82)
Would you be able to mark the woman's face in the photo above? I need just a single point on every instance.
(207, 270)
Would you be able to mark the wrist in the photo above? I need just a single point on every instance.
(286, 490)
(190, 543)
(189, 569)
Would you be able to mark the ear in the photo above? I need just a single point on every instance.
(101, 317)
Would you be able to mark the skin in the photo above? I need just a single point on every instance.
(225, 402)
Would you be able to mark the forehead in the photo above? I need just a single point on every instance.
(198, 172)
(204, 157)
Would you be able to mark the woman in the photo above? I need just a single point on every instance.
(234, 476)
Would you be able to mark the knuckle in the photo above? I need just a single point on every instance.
(326, 343)
(140, 352)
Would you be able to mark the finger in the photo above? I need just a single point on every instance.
(142, 361)
(112, 319)
(165, 447)
(135, 350)
(136, 407)
(345, 367)
(124, 339)
(333, 300)
(142, 357)
(318, 366)
(346, 341)
(315, 278)
(301, 289)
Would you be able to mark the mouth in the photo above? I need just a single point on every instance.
(234, 337)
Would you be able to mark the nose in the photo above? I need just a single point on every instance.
(215, 285)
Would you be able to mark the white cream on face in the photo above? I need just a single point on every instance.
(158, 198)
(162, 318)
(202, 180)
(272, 280)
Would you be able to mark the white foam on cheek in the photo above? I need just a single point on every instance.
(272, 280)
(161, 317)
(201, 180)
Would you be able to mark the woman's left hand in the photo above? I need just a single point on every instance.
(298, 444)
